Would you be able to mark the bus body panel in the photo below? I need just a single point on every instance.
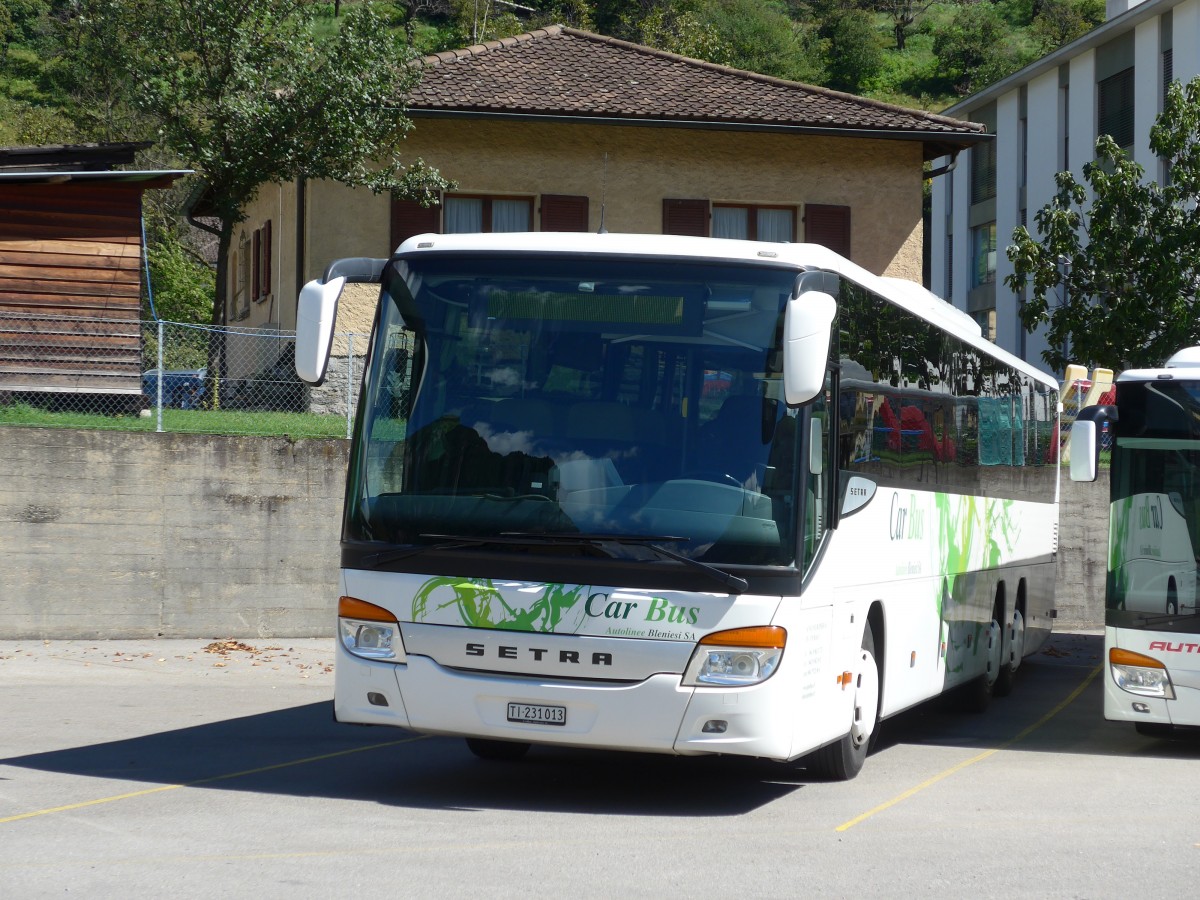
(1180, 653)
(586, 436)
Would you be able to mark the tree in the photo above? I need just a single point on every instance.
(903, 13)
(855, 56)
(1114, 272)
(244, 93)
(972, 48)
(1059, 22)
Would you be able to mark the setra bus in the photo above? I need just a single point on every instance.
(679, 495)
(1151, 615)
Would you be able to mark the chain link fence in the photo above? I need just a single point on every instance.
(96, 372)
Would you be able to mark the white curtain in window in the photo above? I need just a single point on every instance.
(730, 222)
(510, 215)
(775, 225)
(463, 215)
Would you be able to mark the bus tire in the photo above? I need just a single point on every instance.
(844, 758)
(503, 751)
(979, 693)
(1172, 598)
(1016, 652)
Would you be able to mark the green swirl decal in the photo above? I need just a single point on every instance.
(480, 604)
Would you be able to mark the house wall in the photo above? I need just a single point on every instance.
(138, 535)
(627, 172)
(1060, 100)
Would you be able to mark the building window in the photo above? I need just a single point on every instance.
(473, 214)
(987, 323)
(1116, 108)
(983, 254)
(754, 223)
(983, 172)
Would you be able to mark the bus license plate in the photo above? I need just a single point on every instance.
(537, 714)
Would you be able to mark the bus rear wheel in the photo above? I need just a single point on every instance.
(844, 758)
(497, 750)
(1016, 652)
(979, 693)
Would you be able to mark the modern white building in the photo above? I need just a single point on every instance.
(1046, 118)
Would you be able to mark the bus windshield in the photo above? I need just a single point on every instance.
(579, 396)
(1155, 532)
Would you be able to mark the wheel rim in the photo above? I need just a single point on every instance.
(1018, 640)
(866, 700)
(993, 652)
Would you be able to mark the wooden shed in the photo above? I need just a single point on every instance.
(71, 274)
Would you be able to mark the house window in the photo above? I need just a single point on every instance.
(1116, 108)
(987, 322)
(564, 212)
(829, 226)
(983, 172)
(472, 214)
(754, 223)
(983, 254)
(687, 217)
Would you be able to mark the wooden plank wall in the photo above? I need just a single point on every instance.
(70, 287)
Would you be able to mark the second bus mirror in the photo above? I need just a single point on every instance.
(1085, 452)
(806, 328)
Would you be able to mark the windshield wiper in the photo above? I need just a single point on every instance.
(653, 542)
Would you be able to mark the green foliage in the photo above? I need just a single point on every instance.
(183, 286)
(1061, 21)
(855, 57)
(1114, 273)
(973, 48)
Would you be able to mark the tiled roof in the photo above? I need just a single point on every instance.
(558, 71)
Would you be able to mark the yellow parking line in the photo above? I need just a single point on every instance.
(209, 780)
(1074, 695)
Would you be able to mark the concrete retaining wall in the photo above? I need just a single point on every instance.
(117, 535)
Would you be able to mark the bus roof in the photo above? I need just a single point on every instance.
(905, 294)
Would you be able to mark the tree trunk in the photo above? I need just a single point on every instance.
(215, 375)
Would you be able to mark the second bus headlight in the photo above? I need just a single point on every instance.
(739, 657)
(369, 631)
(1141, 675)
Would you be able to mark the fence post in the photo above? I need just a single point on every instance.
(349, 383)
(159, 379)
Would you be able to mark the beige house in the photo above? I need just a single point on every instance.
(564, 130)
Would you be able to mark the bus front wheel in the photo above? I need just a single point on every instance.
(844, 758)
(497, 750)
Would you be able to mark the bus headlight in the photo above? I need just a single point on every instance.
(369, 631)
(735, 658)
(1138, 674)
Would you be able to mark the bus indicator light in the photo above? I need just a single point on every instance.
(1139, 674)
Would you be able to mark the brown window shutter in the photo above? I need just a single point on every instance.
(564, 212)
(266, 285)
(256, 256)
(828, 226)
(409, 218)
(685, 217)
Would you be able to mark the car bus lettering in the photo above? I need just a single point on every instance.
(598, 658)
(613, 609)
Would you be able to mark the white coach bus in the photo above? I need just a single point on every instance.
(679, 495)
(1151, 617)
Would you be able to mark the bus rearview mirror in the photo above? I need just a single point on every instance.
(1085, 452)
(806, 328)
(316, 313)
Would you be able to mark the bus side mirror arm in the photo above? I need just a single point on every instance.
(807, 325)
(316, 313)
(1085, 441)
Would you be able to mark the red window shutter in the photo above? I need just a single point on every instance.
(564, 212)
(685, 217)
(410, 218)
(828, 226)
